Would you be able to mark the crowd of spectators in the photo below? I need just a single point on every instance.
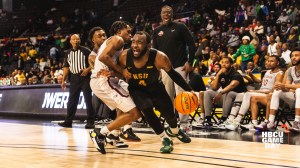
(271, 26)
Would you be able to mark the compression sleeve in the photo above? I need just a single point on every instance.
(178, 79)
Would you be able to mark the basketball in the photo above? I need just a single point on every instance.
(186, 102)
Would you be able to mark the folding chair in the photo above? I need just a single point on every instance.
(194, 114)
(216, 113)
(284, 115)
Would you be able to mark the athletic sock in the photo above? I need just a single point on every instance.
(271, 118)
(254, 122)
(104, 130)
(174, 130)
(239, 118)
(126, 127)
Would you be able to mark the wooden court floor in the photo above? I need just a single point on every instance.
(47, 146)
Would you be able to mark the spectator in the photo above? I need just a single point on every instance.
(273, 49)
(283, 17)
(292, 38)
(286, 53)
(247, 51)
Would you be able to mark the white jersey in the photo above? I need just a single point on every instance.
(272, 49)
(268, 80)
(100, 65)
(293, 76)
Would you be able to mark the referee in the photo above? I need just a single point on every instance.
(76, 62)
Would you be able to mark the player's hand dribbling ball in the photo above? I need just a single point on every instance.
(186, 102)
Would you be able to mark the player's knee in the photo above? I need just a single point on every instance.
(135, 113)
(253, 99)
(276, 93)
(269, 97)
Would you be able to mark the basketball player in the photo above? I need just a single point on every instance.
(111, 90)
(242, 103)
(289, 91)
(148, 91)
(97, 35)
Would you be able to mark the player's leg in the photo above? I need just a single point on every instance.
(145, 104)
(164, 104)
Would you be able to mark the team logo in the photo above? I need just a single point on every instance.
(161, 33)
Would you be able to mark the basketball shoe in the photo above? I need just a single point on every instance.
(167, 145)
(248, 127)
(98, 140)
(65, 124)
(266, 126)
(261, 125)
(115, 141)
(129, 135)
(296, 126)
(181, 135)
(198, 124)
(232, 125)
(220, 124)
(207, 123)
(90, 125)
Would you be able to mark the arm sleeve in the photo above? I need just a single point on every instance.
(238, 52)
(190, 43)
(178, 79)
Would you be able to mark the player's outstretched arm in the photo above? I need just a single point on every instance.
(163, 62)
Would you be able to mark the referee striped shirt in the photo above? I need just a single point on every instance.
(77, 60)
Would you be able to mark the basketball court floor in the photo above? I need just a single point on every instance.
(41, 143)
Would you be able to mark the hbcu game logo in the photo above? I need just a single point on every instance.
(272, 139)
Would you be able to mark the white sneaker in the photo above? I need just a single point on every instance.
(295, 127)
(198, 124)
(271, 126)
(248, 127)
(261, 125)
(232, 125)
(265, 126)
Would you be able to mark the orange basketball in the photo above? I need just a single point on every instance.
(186, 102)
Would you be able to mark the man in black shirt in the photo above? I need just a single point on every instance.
(173, 38)
(231, 83)
(76, 62)
(148, 91)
